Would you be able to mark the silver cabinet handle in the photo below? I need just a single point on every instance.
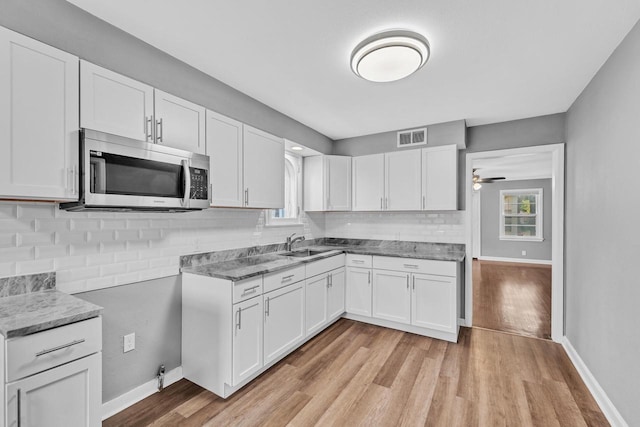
(331, 280)
(414, 283)
(423, 202)
(239, 324)
(369, 278)
(148, 128)
(74, 180)
(251, 290)
(357, 261)
(246, 197)
(266, 309)
(187, 183)
(19, 415)
(386, 203)
(410, 266)
(287, 278)
(60, 347)
(380, 203)
(159, 130)
(407, 281)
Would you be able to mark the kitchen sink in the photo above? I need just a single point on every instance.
(304, 253)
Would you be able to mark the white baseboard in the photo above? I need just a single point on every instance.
(518, 260)
(122, 402)
(608, 409)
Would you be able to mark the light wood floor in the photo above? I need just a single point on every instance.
(358, 374)
(512, 297)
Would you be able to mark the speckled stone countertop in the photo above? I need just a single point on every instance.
(242, 264)
(39, 306)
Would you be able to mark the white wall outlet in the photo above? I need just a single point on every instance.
(524, 253)
(129, 342)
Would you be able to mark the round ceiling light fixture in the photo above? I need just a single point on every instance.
(390, 55)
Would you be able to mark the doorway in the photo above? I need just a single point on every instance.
(514, 264)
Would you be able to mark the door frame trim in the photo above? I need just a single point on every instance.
(557, 245)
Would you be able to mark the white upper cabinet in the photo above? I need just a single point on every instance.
(327, 183)
(440, 178)
(402, 180)
(179, 123)
(224, 148)
(263, 166)
(38, 120)
(115, 104)
(368, 182)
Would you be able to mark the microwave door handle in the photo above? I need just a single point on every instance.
(98, 176)
(187, 182)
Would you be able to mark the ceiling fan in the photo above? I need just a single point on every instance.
(477, 181)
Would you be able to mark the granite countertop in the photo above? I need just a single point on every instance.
(244, 267)
(37, 311)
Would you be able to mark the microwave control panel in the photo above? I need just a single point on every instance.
(199, 184)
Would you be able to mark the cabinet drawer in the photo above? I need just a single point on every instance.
(246, 289)
(31, 354)
(363, 261)
(282, 278)
(428, 266)
(324, 265)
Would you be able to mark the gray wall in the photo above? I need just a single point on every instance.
(151, 309)
(492, 246)
(438, 134)
(67, 27)
(602, 205)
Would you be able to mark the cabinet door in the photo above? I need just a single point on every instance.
(224, 148)
(179, 123)
(263, 169)
(434, 302)
(112, 103)
(283, 320)
(336, 296)
(247, 339)
(338, 183)
(67, 396)
(440, 178)
(359, 291)
(39, 129)
(403, 180)
(316, 303)
(391, 296)
(368, 182)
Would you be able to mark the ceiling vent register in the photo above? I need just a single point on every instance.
(410, 138)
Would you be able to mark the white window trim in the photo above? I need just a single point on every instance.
(539, 215)
(290, 222)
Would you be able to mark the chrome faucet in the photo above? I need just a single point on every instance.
(290, 241)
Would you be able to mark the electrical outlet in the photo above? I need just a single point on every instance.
(129, 342)
(524, 253)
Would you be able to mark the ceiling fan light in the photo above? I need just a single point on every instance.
(390, 56)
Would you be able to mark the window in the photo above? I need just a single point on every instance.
(521, 214)
(290, 214)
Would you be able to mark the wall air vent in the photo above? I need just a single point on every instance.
(410, 138)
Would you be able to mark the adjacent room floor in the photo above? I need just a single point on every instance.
(512, 297)
(359, 374)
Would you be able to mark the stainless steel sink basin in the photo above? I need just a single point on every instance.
(304, 253)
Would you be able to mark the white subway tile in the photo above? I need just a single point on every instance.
(137, 265)
(7, 269)
(16, 254)
(8, 240)
(53, 251)
(124, 235)
(33, 211)
(151, 234)
(78, 273)
(8, 210)
(137, 224)
(70, 237)
(72, 287)
(84, 249)
(52, 225)
(84, 224)
(113, 246)
(100, 259)
(126, 256)
(32, 267)
(70, 262)
(113, 269)
(100, 282)
(34, 239)
(123, 279)
(101, 236)
(113, 224)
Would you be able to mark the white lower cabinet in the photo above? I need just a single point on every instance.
(391, 296)
(54, 377)
(325, 293)
(316, 303)
(358, 291)
(247, 339)
(283, 320)
(431, 302)
(335, 294)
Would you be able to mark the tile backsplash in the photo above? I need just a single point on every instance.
(440, 227)
(97, 250)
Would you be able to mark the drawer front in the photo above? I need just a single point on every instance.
(31, 354)
(246, 289)
(426, 266)
(324, 265)
(364, 261)
(279, 279)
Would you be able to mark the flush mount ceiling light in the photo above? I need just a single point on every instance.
(296, 148)
(390, 55)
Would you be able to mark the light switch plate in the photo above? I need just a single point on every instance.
(129, 342)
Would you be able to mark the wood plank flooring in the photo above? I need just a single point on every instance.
(512, 297)
(362, 375)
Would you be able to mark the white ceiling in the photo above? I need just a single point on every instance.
(518, 167)
(492, 60)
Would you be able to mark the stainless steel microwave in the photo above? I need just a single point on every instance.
(122, 174)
